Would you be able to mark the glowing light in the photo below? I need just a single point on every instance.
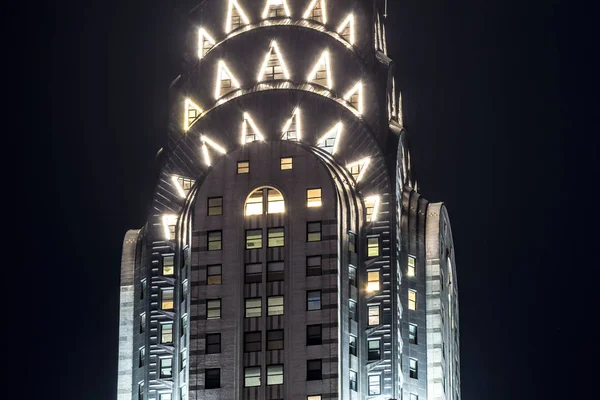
(394, 108)
(329, 141)
(372, 206)
(203, 38)
(234, 3)
(206, 140)
(310, 8)
(358, 102)
(358, 168)
(295, 119)
(264, 67)
(178, 186)
(255, 135)
(192, 113)
(205, 153)
(223, 73)
(169, 222)
(346, 28)
(323, 62)
(271, 3)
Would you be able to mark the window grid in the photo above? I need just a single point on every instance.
(212, 378)
(213, 309)
(412, 334)
(213, 343)
(274, 374)
(253, 307)
(314, 335)
(166, 299)
(313, 231)
(275, 271)
(252, 341)
(214, 275)
(243, 167)
(215, 240)
(166, 333)
(252, 376)
(275, 237)
(253, 239)
(275, 305)
(314, 370)
(374, 384)
(168, 264)
(373, 280)
(414, 368)
(313, 300)
(253, 273)
(286, 163)
(412, 299)
(313, 265)
(373, 311)
(373, 246)
(215, 206)
(165, 367)
(374, 349)
(411, 266)
(275, 339)
(313, 197)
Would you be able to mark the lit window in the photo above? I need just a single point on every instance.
(313, 231)
(276, 9)
(372, 281)
(213, 275)
(286, 163)
(166, 333)
(214, 240)
(166, 299)
(226, 82)
(205, 42)
(213, 309)
(275, 374)
(313, 265)
(354, 96)
(321, 72)
(351, 243)
(346, 29)
(253, 273)
(252, 341)
(292, 130)
(252, 376)
(243, 167)
(314, 397)
(373, 350)
(352, 345)
(168, 267)
(358, 168)
(373, 246)
(164, 396)
(275, 237)
(275, 305)
(254, 239)
(213, 343)
(142, 355)
(353, 381)
(254, 133)
(314, 370)
(330, 140)
(372, 208)
(374, 384)
(273, 66)
(314, 335)
(313, 300)
(235, 16)
(215, 206)
(143, 322)
(212, 378)
(316, 11)
(253, 307)
(313, 197)
(373, 311)
(165, 367)
(254, 203)
(144, 284)
(275, 202)
(414, 368)
(275, 339)
(411, 266)
(169, 223)
(275, 271)
(412, 333)
(352, 276)
(412, 299)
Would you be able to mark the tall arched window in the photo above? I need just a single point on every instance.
(264, 198)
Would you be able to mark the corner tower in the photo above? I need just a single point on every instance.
(288, 254)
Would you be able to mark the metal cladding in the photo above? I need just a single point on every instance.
(288, 254)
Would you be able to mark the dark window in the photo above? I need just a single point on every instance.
(313, 231)
(314, 335)
(215, 206)
(143, 322)
(314, 370)
(275, 339)
(414, 368)
(313, 300)
(275, 237)
(254, 239)
(213, 378)
(353, 379)
(412, 333)
(313, 265)
(352, 276)
(215, 240)
(275, 271)
(352, 310)
(253, 273)
(213, 273)
(213, 343)
(142, 356)
(252, 341)
(352, 345)
(351, 242)
(144, 289)
(374, 350)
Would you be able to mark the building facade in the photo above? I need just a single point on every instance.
(288, 254)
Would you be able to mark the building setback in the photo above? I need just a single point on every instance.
(288, 254)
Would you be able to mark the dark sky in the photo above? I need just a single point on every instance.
(486, 97)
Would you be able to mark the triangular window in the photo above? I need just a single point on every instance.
(235, 16)
(205, 42)
(226, 82)
(207, 147)
(346, 29)
(292, 128)
(358, 168)
(316, 11)
(182, 185)
(273, 66)
(276, 9)
(250, 131)
(372, 208)
(192, 113)
(355, 97)
(330, 140)
(321, 72)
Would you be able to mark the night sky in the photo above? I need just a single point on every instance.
(485, 102)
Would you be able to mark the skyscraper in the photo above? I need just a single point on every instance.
(288, 254)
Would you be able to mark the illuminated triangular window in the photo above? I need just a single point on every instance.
(192, 113)
(358, 168)
(250, 131)
(292, 130)
(208, 146)
(273, 66)
(205, 42)
(226, 82)
(321, 72)
(394, 108)
(372, 208)
(182, 185)
(330, 140)
(276, 9)
(346, 29)
(355, 97)
(316, 11)
(169, 224)
(235, 16)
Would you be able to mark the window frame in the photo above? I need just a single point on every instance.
(313, 339)
(272, 375)
(209, 336)
(218, 207)
(275, 230)
(412, 334)
(209, 241)
(373, 285)
(253, 277)
(247, 370)
(254, 335)
(246, 239)
(214, 385)
(309, 232)
(374, 355)
(163, 301)
(374, 307)
(413, 301)
(272, 343)
(373, 246)
(316, 269)
(308, 301)
(241, 169)
(309, 370)
(313, 201)
(166, 267)
(163, 336)
(208, 309)
(275, 276)
(219, 275)
(162, 368)
(413, 371)
(371, 384)
(283, 164)
(270, 307)
(247, 301)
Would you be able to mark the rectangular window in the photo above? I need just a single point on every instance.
(411, 266)
(144, 289)
(254, 239)
(166, 299)
(252, 341)
(353, 381)
(275, 374)
(253, 273)
(275, 271)
(213, 309)
(352, 310)
(143, 322)
(165, 367)
(313, 197)
(243, 167)
(215, 240)
(352, 345)
(314, 397)
(142, 355)
(253, 307)
(275, 339)
(254, 203)
(372, 281)
(213, 343)
(313, 265)
(213, 275)
(286, 163)
(412, 299)
(275, 202)
(141, 391)
(164, 396)
(184, 324)
(352, 275)
(184, 289)
(252, 376)
(166, 333)
(183, 359)
(351, 242)
(412, 333)
(168, 264)
(374, 350)
(313, 231)
(212, 378)
(373, 246)
(414, 368)
(314, 335)
(415, 397)
(373, 310)
(275, 305)
(314, 370)
(374, 384)
(313, 300)
(275, 237)
(215, 206)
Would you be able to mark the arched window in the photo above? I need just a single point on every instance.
(264, 199)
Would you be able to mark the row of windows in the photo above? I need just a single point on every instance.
(285, 164)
